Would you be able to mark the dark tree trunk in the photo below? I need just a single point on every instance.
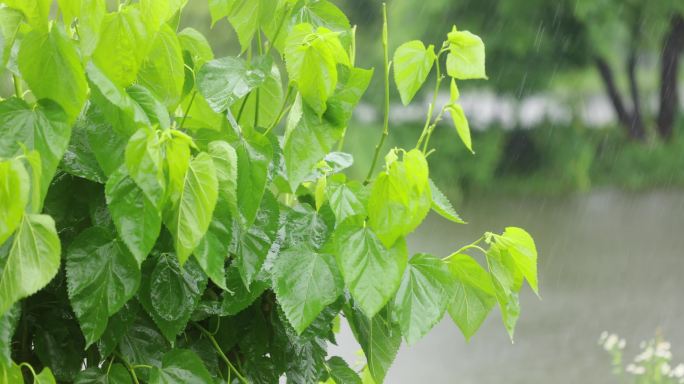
(630, 121)
(669, 96)
(637, 120)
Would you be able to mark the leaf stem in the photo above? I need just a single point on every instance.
(431, 128)
(385, 130)
(30, 368)
(129, 367)
(242, 106)
(220, 353)
(288, 12)
(431, 108)
(473, 245)
(283, 108)
(187, 109)
(18, 92)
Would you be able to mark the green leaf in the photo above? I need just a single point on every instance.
(181, 366)
(32, 262)
(379, 338)
(219, 9)
(461, 123)
(163, 70)
(123, 45)
(304, 226)
(454, 94)
(442, 205)
(117, 327)
(307, 140)
(224, 81)
(58, 341)
(213, 250)
(400, 198)
(36, 12)
(144, 163)
(214, 247)
(106, 144)
(137, 220)
(10, 373)
(10, 20)
(42, 127)
(255, 242)
(156, 13)
(192, 41)
(522, 249)
(270, 94)
(102, 277)
(188, 220)
(8, 324)
(352, 84)
(52, 55)
(466, 58)
(254, 155)
(143, 343)
(423, 296)
(305, 282)
(45, 377)
(90, 15)
(117, 107)
(341, 373)
(240, 296)
(79, 159)
(312, 65)
(154, 110)
(412, 65)
(371, 272)
(321, 13)
(507, 281)
(225, 161)
(170, 293)
(345, 198)
(474, 295)
(116, 374)
(15, 187)
(246, 16)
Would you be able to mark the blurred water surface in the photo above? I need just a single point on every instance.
(609, 260)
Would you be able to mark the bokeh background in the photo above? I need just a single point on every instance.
(579, 138)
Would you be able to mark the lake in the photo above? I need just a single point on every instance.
(609, 260)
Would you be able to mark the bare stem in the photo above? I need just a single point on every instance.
(220, 353)
(385, 130)
(187, 109)
(426, 128)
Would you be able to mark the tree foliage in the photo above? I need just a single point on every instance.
(171, 217)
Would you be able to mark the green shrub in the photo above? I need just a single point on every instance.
(158, 223)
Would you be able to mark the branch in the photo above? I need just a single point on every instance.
(385, 130)
(669, 95)
(624, 117)
(637, 121)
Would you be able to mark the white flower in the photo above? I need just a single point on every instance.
(635, 369)
(603, 337)
(665, 354)
(646, 355)
(622, 344)
(611, 342)
(665, 368)
(678, 372)
(663, 346)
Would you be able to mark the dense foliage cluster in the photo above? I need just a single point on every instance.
(158, 223)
